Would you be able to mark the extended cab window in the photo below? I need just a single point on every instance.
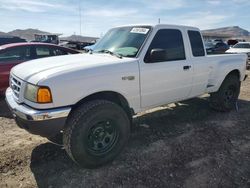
(167, 45)
(196, 43)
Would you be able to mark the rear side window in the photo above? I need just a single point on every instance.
(42, 51)
(15, 54)
(196, 43)
(169, 40)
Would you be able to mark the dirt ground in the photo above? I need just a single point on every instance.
(179, 145)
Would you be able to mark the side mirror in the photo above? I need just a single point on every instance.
(158, 55)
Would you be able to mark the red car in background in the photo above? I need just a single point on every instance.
(16, 53)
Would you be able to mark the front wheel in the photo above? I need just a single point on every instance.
(226, 97)
(57, 139)
(96, 132)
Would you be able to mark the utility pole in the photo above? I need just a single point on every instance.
(159, 20)
(80, 16)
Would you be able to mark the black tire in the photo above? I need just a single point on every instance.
(224, 100)
(95, 133)
(58, 139)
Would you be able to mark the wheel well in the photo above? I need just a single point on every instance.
(234, 72)
(109, 96)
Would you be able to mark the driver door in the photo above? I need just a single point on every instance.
(165, 77)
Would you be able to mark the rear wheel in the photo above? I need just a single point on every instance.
(226, 97)
(96, 132)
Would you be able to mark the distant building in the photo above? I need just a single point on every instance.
(47, 37)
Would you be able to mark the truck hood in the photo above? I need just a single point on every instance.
(36, 70)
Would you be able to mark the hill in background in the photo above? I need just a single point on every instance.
(28, 34)
(2, 33)
(234, 31)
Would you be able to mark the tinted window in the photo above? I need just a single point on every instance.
(42, 51)
(14, 54)
(196, 43)
(56, 52)
(169, 41)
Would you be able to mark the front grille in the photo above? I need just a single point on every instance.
(15, 85)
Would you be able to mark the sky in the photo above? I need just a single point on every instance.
(97, 16)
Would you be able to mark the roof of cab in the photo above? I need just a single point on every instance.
(160, 26)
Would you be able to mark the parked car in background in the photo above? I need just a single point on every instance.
(241, 47)
(10, 39)
(89, 48)
(71, 45)
(218, 48)
(16, 53)
(209, 46)
(217, 40)
(232, 42)
(77, 45)
(47, 38)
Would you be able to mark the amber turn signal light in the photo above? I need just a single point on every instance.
(44, 95)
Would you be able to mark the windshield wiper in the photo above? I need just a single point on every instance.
(109, 52)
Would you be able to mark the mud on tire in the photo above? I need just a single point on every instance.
(96, 132)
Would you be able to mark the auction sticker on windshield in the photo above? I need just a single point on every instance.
(139, 30)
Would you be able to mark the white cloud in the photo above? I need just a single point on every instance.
(113, 13)
(214, 2)
(28, 5)
(241, 1)
(203, 20)
(164, 4)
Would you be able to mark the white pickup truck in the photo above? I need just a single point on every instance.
(90, 99)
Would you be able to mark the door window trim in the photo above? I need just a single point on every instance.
(183, 42)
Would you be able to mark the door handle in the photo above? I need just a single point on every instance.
(186, 67)
(128, 78)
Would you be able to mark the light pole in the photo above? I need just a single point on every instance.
(80, 16)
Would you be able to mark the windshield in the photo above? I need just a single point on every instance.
(124, 41)
(242, 45)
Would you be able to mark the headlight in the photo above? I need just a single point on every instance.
(31, 93)
(38, 94)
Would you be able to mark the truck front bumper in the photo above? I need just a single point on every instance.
(46, 123)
